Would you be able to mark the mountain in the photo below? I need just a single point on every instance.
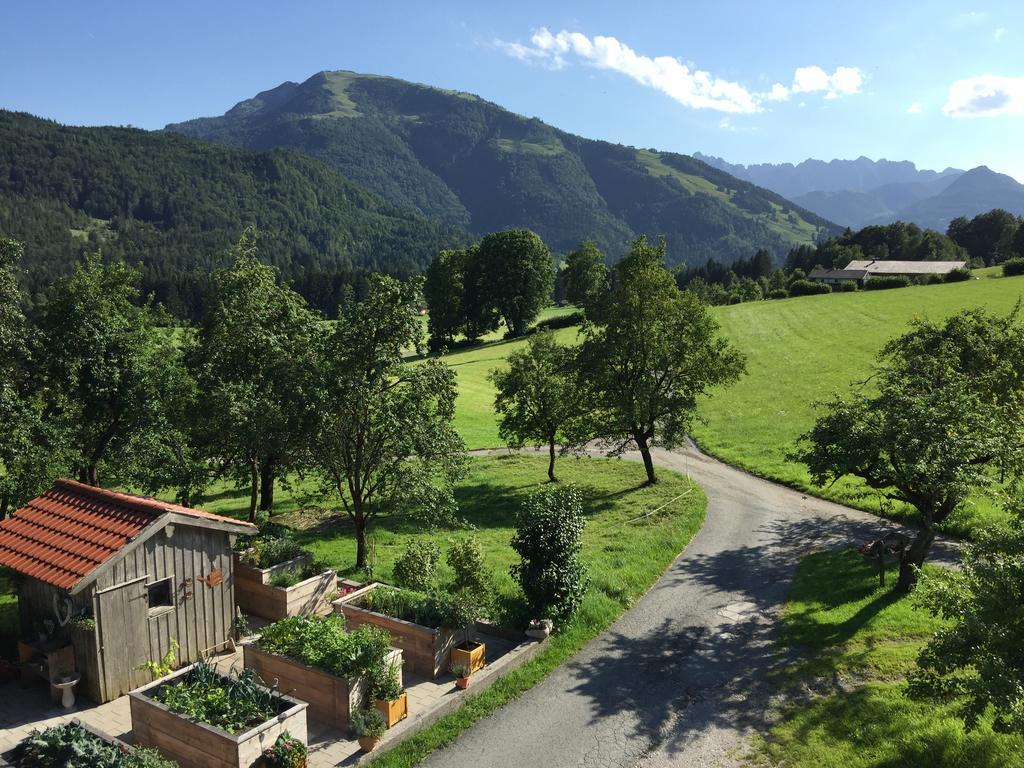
(976, 191)
(175, 205)
(860, 175)
(469, 163)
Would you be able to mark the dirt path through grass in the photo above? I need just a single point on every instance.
(681, 678)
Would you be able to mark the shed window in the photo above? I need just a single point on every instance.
(160, 595)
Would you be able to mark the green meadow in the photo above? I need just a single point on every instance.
(799, 351)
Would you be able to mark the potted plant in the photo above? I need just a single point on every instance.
(287, 752)
(462, 673)
(388, 695)
(368, 726)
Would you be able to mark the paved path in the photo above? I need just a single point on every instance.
(679, 679)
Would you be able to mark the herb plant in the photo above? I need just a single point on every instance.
(232, 702)
(367, 724)
(322, 642)
(267, 551)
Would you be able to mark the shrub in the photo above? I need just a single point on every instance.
(846, 287)
(417, 567)
(778, 293)
(367, 723)
(957, 275)
(287, 752)
(1013, 267)
(386, 682)
(289, 577)
(561, 321)
(884, 283)
(466, 558)
(807, 288)
(267, 551)
(548, 540)
(322, 642)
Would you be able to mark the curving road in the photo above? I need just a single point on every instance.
(680, 678)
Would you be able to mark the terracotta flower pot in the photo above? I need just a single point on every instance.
(462, 682)
(367, 744)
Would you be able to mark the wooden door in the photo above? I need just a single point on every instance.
(124, 637)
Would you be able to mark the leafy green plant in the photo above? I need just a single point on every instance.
(416, 568)
(471, 574)
(461, 671)
(164, 666)
(386, 682)
(287, 752)
(232, 702)
(298, 573)
(83, 623)
(267, 551)
(242, 626)
(71, 746)
(322, 642)
(548, 539)
(367, 724)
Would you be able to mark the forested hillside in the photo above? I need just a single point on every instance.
(175, 204)
(464, 161)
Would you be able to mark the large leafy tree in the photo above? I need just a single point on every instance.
(444, 290)
(538, 397)
(976, 660)
(31, 449)
(519, 275)
(584, 275)
(384, 441)
(988, 236)
(652, 353)
(105, 355)
(943, 411)
(256, 362)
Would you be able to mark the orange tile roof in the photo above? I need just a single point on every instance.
(73, 528)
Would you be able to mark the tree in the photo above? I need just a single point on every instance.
(548, 540)
(384, 440)
(977, 659)
(444, 290)
(32, 452)
(988, 237)
(105, 357)
(538, 397)
(255, 361)
(519, 276)
(654, 353)
(584, 275)
(943, 412)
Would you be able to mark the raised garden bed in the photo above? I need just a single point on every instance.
(425, 649)
(192, 742)
(260, 590)
(77, 745)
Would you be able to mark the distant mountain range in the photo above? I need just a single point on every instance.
(860, 192)
(463, 161)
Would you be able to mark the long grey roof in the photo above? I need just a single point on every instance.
(886, 267)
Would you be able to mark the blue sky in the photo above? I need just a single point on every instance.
(939, 83)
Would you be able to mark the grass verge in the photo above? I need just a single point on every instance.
(860, 641)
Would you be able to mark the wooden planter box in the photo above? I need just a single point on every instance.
(394, 711)
(331, 699)
(191, 743)
(426, 650)
(9, 758)
(256, 595)
(470, 654)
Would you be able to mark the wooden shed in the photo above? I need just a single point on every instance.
(144, 571)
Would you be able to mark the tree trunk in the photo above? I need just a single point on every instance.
(90, 474)
(914, 556)
(645, 453)
(5, 502)
(267, 486)
(551, 460)
(254, 486)
(361, 548)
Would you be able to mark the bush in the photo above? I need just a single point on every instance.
(778, 293)
(386, 682)
(367, 723)
(267, 551)
(957, 275)
(416, 568)
(847, 287)
(560, 321)
(1013, 267)
(884, 283)
(548, 540)
(808, 288)
(71, 746)
(322, 642)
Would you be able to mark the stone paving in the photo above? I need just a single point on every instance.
(23, 709)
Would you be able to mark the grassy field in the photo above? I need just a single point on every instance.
(799, 350)
(860, 641)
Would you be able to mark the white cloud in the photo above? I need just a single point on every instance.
(915, 108)
(683, 82)
(999, 33)
(985, 96)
